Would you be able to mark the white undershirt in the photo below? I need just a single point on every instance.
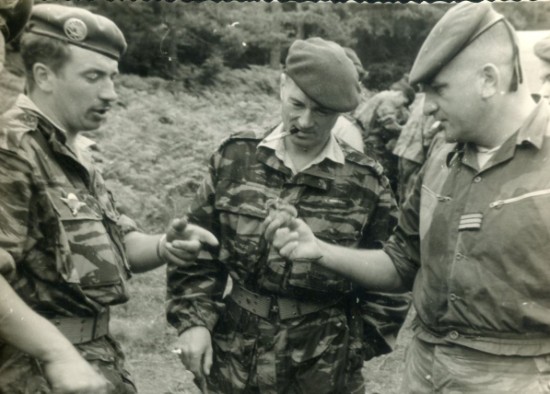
(484, 155)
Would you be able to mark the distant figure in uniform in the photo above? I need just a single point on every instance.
(419, 137)
(65, 251)
(382, 117)
(473, 237)
(287, 326)
(542, 50)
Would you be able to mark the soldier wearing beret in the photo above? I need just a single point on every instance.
(542, 50)
(66, 253)
(286, 326)
(473, 238)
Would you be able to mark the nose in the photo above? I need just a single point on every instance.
(430, 107)
(306, 119)
(108, 91)
(545, 90)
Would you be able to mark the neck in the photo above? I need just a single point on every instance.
(43, 103)
(306, 153)
(507, 116)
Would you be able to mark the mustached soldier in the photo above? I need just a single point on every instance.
(66, 251)
(287, 326)
(473, 238)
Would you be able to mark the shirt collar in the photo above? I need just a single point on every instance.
(532, 131)
(536, 126)
(25, 102)
(275, 141)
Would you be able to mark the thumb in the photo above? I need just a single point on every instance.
(179, 224)
(296, 223)
(207, 361)
(205, 236)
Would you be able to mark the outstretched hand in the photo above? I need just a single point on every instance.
(294, 241)
(183, 241)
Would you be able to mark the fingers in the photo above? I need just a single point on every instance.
(182, 253)
(207, 362)
(204, 236)
(271, 224)
(285, 241)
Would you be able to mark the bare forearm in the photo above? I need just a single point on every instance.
(24, 329)
(141, 251)
(372, 269)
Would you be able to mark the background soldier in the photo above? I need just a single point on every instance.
(71, 250)
(542, 50)
(474, 236)
(286, 326)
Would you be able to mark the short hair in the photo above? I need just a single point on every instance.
(40, 49)
(497, 45)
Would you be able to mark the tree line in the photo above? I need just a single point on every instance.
(197, 40)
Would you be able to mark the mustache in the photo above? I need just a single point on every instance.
(294, 130)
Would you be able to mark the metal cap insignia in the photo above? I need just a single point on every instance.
(75, 29)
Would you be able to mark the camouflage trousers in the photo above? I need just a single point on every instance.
(309, 354)
(22, 374)
(448, 369)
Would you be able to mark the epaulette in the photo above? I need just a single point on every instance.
(362, 159)
(14, 124)
(244, 135)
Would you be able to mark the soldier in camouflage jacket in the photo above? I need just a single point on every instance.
(64, 249)
(285, 327)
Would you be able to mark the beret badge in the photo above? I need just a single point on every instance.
(75, 29)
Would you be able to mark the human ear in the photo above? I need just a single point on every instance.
(489, 81)
(43, 77)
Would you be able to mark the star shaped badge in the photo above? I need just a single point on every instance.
(73, 203)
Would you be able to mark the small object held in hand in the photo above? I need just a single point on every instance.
(176, 230)
(281, 210)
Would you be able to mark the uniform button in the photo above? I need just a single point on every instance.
(453, 297)
(428, 377)
(458, 256)
(477, 179)
(454, 335)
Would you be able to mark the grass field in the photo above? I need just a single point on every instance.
(153, 153)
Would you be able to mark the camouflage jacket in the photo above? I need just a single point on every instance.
(58, 220)
(475, 243)
(346, 204)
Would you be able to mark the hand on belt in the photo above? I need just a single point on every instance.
(82, 329)
(286, 308)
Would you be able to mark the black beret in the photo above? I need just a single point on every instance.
(15, 16)
(324, 73)
(542, 49)
(78, 26)
(459, 26)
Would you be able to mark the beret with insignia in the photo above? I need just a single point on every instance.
(323, 71)
(78, 26)
(461, 25)
(542, 49)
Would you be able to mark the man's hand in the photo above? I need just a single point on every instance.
(295, 242)
(73, 375)
(194, 347)
(184, 241)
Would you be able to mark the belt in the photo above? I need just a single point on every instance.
(82, 329)
(286, 308)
